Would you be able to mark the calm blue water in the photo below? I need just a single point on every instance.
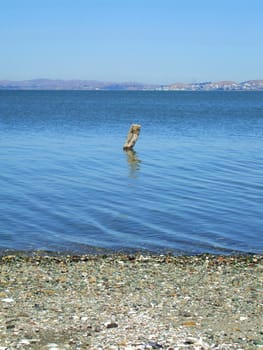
(194, 185)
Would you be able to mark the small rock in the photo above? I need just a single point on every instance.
(52, 346)
(7, 300)
(243, 318)
(155, 345)
(111, 325)
(10, 326)
(24, 342)
(97, 329)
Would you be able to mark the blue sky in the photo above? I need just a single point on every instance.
(151, 41)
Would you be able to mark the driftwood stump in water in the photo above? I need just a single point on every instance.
(132, 136)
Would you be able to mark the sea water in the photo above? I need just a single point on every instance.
(194, 183)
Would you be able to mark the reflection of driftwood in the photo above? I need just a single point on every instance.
(133, 162)
(132, 136)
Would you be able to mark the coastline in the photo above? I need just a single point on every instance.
(120, 301)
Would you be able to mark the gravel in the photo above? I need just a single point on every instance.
(131, 302)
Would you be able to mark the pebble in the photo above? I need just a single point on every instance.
(52, 346)
(24, 342)
(7, 300)
(111, 325)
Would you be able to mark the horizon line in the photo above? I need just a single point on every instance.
(128, 82)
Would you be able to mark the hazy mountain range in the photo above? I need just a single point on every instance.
(49, 84)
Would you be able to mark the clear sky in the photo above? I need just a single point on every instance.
(150, 41)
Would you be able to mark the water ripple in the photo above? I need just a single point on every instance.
(194, 185)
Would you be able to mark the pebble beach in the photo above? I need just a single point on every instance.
(121, 302)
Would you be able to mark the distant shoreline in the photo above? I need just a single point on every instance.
(90, 85)
(123, 90)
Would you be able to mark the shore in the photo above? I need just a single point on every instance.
(131, 302)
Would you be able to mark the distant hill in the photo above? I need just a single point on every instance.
(49, 84)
